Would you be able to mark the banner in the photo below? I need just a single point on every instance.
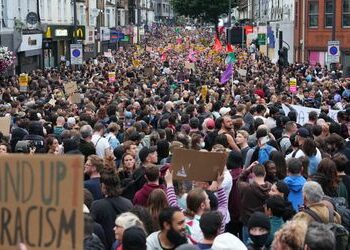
(41, 199)
(196, 165)
(303, 113)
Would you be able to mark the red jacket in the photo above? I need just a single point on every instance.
(141, 196)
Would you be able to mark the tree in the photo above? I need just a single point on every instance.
(206, 10)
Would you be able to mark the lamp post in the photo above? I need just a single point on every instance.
(229, 14)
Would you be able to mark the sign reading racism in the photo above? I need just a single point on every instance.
(41, 201)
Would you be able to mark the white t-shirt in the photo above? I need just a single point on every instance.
(227, 186)
(101, 144)
(153, 242)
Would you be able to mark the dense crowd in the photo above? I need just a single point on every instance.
(285, 185)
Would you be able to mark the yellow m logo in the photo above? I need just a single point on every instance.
(79, 33)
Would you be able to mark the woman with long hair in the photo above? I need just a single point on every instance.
(313, 154)
(127, 168)
(156, 202)
(52, 145)
(327, 177)
(281, 165)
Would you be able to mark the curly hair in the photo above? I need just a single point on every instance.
(291, 236)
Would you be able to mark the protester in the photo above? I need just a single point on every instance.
(170, 94)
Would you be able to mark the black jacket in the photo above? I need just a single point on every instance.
(106, 210)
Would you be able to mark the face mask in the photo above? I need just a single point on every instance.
(202, 144)
(259, 240)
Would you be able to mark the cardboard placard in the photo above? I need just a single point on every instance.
(23, 82)
(75, 98)
(196, 165)
(41, 199)
(70, 88)
(189, 65)
(5, 123)
(107, 54)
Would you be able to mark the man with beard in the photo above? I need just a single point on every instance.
(227, 130)
(172, 230)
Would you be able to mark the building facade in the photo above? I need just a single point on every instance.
(313, 29)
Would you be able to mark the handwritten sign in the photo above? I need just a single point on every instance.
(111, 76)
(5, 123)
(41, 201)
(293, 85)
(70, 88)
(75, 98)
(196, 165)
(23, 82)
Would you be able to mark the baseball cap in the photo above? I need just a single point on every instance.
(303, 132)
(223, 111)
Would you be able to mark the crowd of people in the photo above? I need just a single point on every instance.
(285, 185)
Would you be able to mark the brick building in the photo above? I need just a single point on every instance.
(313, 30)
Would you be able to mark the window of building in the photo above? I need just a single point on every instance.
(59, 10)
(296, 17)
(313, 13)
(119, 14)
(346, 13)
(65, 10)
(41, 11)
(108, 17)
(81, 11)
(113, 18)
(49, 8)
(328, 9)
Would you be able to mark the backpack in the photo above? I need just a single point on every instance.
(340, 233)
(264, 153)
(340, 206)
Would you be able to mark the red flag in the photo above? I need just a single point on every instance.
(229, 48)
(217, 46)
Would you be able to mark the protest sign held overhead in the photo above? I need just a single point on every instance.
(41, 201)
(70, 88)
(196, 165)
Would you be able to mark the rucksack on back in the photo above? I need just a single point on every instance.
(340, 206)
(340, 233)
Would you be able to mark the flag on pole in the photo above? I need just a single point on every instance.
(230, 58)
(229, 48)
(227, 75)
(217, 45)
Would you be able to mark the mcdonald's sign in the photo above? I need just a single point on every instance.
(64, 32)
(79, 33)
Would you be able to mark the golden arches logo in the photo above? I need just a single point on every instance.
(48, 33)
(79, 33)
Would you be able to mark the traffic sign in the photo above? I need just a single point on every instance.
(76, 54)
(333, 52)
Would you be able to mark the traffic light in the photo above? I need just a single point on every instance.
(283, 57)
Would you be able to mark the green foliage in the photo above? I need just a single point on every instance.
(206, 10)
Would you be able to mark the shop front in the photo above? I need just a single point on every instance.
(29, 54)
(56, 43)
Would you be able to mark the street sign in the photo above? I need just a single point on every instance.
(76, 54)
(333, 52)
